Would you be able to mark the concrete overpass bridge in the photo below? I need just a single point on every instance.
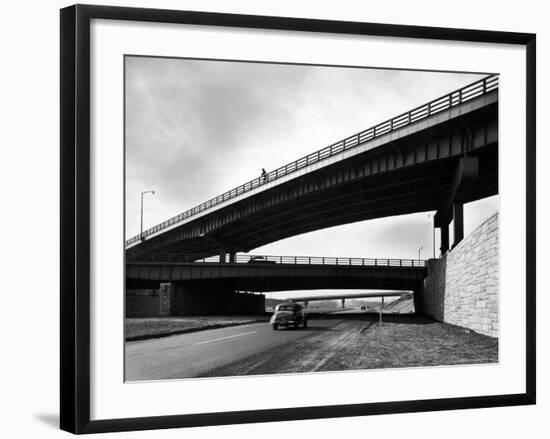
(437, 156)
(207, 286)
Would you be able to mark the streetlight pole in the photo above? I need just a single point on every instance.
(419, 250)
(141, 217)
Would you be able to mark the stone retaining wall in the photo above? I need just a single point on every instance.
(462, 287)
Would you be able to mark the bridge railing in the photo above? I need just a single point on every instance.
(457, 97)
(268, 260)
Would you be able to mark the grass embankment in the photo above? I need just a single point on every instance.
(361, 343)
(154, 327)
(412, 343)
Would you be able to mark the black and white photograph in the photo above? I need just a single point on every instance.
(298, 218)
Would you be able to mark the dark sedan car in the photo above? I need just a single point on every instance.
(288, 314)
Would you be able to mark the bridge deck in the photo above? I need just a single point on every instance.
(314, 273)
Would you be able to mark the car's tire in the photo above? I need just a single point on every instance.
(275, 326)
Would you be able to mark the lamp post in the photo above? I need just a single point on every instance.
(141, 217)
(432, 215)
(419, 250)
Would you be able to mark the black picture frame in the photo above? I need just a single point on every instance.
(75, 217)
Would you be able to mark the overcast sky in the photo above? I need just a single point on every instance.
(195, 129)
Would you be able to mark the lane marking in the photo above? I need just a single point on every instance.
(225, 338)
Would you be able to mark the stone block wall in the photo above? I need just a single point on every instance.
(462, 287)
(142, 303)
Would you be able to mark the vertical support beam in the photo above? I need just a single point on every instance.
(418, 299)
(444, 247)
(232, 257)
(381, 308)
(451, 208)
(167, 299)
(343, 303)
(458, 214)
(222, 256)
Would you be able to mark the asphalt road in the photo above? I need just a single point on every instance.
(195, 354)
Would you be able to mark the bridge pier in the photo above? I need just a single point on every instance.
(452, 206)
(444, 233)
(418, 299)
(458, 215)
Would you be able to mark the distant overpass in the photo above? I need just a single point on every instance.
(348, 296)
(344, 297)
(437, 156)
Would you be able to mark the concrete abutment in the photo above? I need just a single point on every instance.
(462, 287)
(181, 299)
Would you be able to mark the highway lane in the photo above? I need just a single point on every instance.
(194, 354)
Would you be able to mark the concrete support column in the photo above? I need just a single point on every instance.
(458, 217)
(167, 299)
(418, 300)
(444, 239)
(232, 257)
(222, 256)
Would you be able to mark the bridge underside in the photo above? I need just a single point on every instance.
(405, 175)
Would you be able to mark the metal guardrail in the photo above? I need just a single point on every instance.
(442, 103)
(268, 260)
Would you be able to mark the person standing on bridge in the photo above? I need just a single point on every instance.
(264, 175)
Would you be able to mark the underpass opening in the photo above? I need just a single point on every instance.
(345, 302)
